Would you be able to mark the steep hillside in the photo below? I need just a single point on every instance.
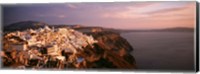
(64, 48)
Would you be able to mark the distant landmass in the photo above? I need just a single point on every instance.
(176, 29)
(34, 25)
(23, 25)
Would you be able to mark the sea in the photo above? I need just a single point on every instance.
(163, 51)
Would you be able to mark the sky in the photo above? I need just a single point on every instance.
(119, 15)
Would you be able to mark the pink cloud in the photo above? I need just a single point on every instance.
(71, 6)
(61, 16)
(154, 16)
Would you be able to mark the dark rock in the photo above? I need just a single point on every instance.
(111, 51)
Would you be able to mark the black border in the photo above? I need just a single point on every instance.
(197, 36)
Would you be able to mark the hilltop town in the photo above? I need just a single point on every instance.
(63, 48)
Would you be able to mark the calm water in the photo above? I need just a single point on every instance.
(162, 50)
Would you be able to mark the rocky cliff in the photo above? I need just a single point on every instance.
(112, 50)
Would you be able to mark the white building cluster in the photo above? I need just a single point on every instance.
(55, 40)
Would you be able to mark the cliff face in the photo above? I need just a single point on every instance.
(64, 50)
(111, 51)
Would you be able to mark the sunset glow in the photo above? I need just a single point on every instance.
(132, 15)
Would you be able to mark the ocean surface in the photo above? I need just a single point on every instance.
(173, 51)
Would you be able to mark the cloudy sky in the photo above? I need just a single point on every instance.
(123, 15)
